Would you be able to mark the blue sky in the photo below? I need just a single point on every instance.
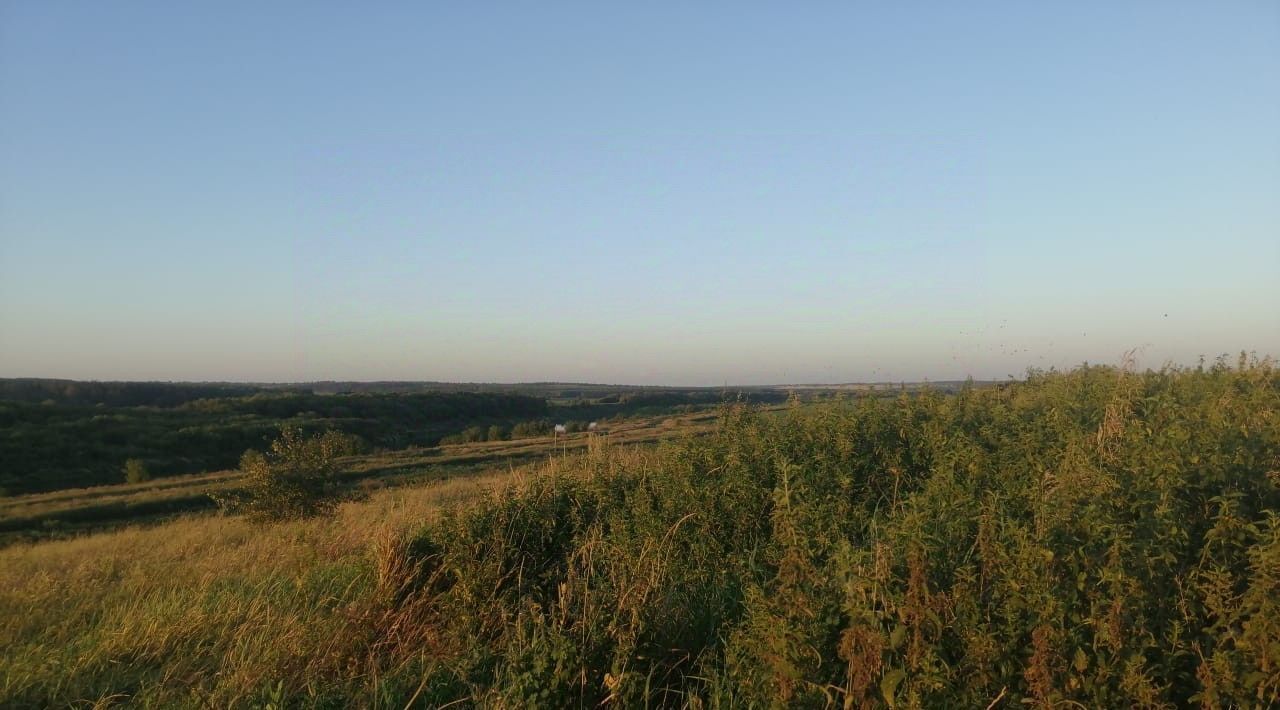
(721, 192)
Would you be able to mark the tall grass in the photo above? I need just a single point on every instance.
(1098, 538)
(212, 610)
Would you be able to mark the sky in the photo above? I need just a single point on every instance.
(651, 193)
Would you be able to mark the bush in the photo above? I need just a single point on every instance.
(295, 478)
(469, 435)
(525, 430)
(1092, 539)
(135, 471)
(343, 444)
(496, 433)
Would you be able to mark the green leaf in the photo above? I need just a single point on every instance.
(897, 636)
(889, 684)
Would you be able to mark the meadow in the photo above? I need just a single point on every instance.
(61, 434)
(62, 443)
(74, 511)
(1095, 538)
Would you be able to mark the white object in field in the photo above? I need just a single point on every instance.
(591, 426)
(560, 429)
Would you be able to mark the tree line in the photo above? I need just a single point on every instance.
(49, 445)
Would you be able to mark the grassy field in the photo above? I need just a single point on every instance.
(75, 511)
(211, 609)
(59, 434)
(55, 444)
(1098, 538)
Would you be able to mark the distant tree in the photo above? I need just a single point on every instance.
(135, 471)
(537, 427)
(295, 478)
(496, 433)
(343, 444)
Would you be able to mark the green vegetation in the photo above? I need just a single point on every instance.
(58, 434)
(50, 446)
(296, 478)
(116, 394)
(135, 471)
(1101, 538)
(58, 514)
(525, 430)
(1098, 538)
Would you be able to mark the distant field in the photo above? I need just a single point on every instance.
(60, 434)
(74, 511)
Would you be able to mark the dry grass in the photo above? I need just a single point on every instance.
(147, 612)
(216, 611)
(18, 503)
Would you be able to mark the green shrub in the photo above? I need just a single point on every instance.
(1098, 538)
(135, 471)
(530, 429)
(295, 478)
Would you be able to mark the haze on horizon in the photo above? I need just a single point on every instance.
(728, 193)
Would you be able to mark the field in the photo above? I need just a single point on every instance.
(59, 434)
(1098, 538)
(208, 598)
(72, 511)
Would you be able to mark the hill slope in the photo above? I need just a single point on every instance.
(1097, 538)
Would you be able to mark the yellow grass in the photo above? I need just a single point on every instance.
(150, 612)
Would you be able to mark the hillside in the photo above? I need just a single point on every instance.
(53, 445)
(60, 434)
(72, 511)
(1097, 538)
